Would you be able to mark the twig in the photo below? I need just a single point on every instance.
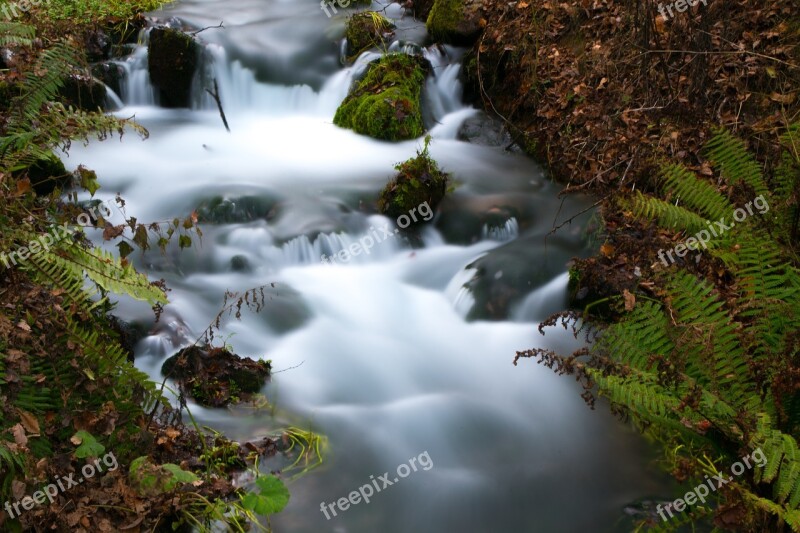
(215, 96)
(576, 215)
(207, 28)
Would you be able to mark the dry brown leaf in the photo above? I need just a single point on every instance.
(29, 422)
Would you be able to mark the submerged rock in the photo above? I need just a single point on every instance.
(216, 377)
(366, 30)
(418, 187)
(172, 60)
(455, 22)
(386, 103)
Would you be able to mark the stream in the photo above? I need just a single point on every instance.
(389, 355)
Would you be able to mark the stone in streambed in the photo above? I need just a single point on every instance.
(386, 103)
(172, 60)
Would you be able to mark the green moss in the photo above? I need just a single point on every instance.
(444, 18)
(419, 181)
(366, 30)
(386, 103)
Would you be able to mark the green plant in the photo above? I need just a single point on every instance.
(709, 371)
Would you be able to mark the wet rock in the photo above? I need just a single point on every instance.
(239, 263)
(485, 131)
(420, 9)
(172, 60)
(111, 74)
(84, 92)
(418, 187)
(219, 210)
(386, 103)
(215, 377)
(507, 274)
(455, 22)
(129, 334)
(286, 310)
(366, 30)
(462, 219)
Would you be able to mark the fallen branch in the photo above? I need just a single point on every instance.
(207, 28)
(215, 96)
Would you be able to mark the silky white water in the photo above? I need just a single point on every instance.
(384, 354)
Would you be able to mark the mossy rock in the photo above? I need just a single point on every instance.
(84, 92)
(172, 60)
(215, 377)
(366, 30)
(455, 21)
(418, 181)
(386, 103)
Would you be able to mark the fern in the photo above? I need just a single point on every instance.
(12, 33)
(698, 195)
(665, 213)
(736, 164)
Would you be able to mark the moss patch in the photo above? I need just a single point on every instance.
(386, 103)
(419, 181)
(366, 30)
(444, 18)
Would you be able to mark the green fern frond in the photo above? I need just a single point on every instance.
(736, 164)
(696, 194)
(665, 214)
(12, 33)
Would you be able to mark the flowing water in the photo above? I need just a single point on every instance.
(388, 354)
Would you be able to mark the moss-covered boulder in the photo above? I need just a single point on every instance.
(366, 30)
(216, 377)
(415, 191)
(172, 60)
(455, 22)
(386, 103)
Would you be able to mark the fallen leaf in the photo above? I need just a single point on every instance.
(630, 300)
(29, 422)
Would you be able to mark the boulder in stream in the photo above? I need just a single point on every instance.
(386, 103)
(455, 22)
(418, 188)
(172, 60)
(366, 30)
(215, 377)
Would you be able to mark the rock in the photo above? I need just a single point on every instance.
(507, 274)
(455, 22)
(386, 103)
(97, 45)
(420, 9)
(219, 210)
(239, 263)
(172, 60)
(47, 175)
(484, 130)
(216, 377)
(366, 30)
(111, 74)
(462, 218)
(84, 92)
(418, 183)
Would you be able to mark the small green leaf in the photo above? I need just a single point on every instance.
(272, 499)
(125, 249)
(88, 445)
(184, 241)
(88, 179)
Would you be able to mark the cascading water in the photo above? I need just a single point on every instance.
(383, 359)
